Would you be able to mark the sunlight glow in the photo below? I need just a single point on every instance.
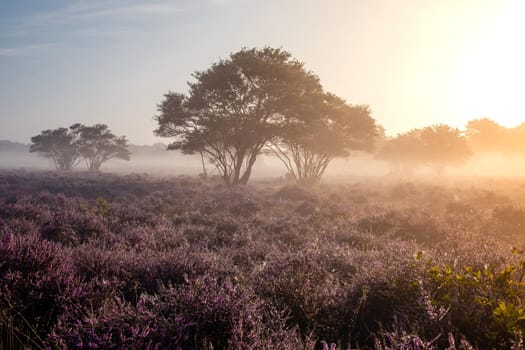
(491, 78)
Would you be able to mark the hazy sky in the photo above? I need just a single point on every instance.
(415, 62)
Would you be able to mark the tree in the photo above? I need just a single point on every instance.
(97, 144)
(60, 145)
(516, 142)
(327, 128)
(234, 108)
(437, 146)
(487, 136)
(402, 153)
(442, 145)
(68, 146)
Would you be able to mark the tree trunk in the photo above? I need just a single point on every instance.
(204, 172)
(246, 176)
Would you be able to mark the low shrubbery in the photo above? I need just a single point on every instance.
(38, 284)
(175, 263)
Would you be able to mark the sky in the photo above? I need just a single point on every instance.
(414, 62)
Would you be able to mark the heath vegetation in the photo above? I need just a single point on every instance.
(90, 260)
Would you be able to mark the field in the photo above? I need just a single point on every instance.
(100, 261)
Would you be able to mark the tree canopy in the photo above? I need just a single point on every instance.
(60, 145)
(402, 153)
(234, 108)
(97, 144)
(257, 98)
(325, 128)
(443, 146)
(486, 136)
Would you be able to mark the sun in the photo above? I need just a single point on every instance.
(490, 81)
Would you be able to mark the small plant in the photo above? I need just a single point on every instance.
(485, 302)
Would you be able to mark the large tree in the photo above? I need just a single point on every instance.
(324, 127)
(60, 145)
(235, 107)
(97, 144)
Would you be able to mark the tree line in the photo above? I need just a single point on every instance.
(264, 101)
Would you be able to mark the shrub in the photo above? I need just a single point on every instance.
(38, 284)
(485, 303)
(207, 314)
(312, 287)
(117, 325)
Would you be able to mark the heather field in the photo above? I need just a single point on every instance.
(100, 261)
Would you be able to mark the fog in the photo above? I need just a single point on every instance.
(156, 160)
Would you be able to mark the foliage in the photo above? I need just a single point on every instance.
(67, 147)
(325, 128)
(484, 302)
(117, 325)
(402, 153)
(437, 146)
(443, 145)
(97, 144)
(38, 284)
(98, 260)
(60, 145)
(235, 107)
(487, 136)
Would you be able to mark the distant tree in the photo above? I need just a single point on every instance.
(402, 153)
(60, 145)
(487, 136)
(380, 138)
(97, 144)
(516, 143)
(12, 147)
(442, 146)
(437, 146)
(234, 108)
(325, 128)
